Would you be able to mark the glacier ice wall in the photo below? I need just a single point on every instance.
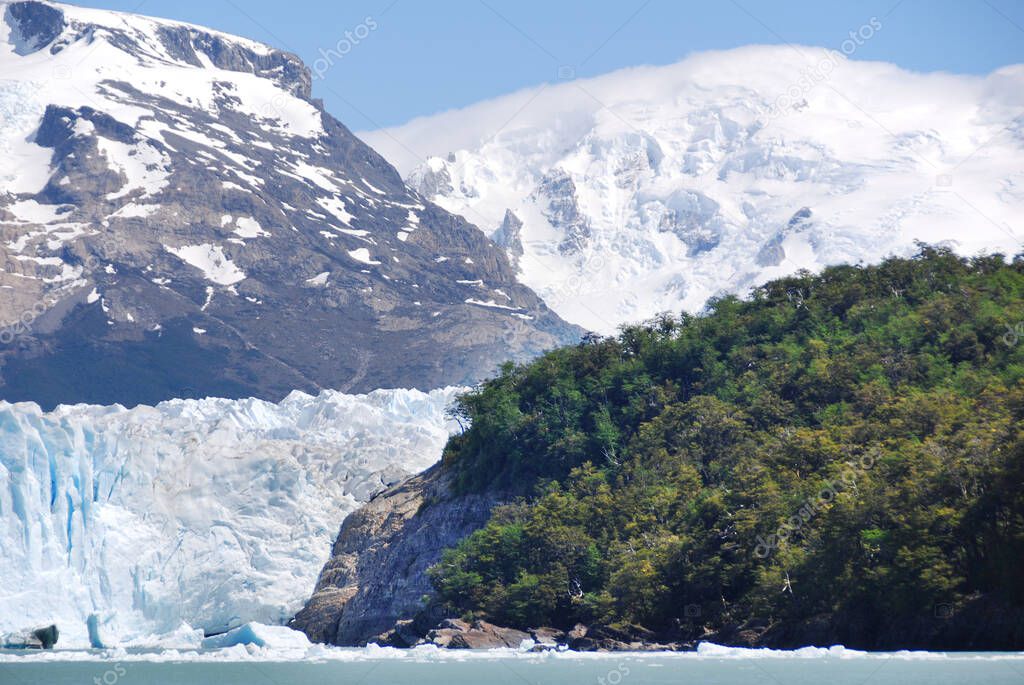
(208, 512)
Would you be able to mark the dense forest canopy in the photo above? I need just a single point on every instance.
(842, 442)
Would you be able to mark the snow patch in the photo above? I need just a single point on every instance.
(318, 281)
(144, 167)
(247, 227)
(336, 206)
(362, 255)
(209, 259)
(492, 304)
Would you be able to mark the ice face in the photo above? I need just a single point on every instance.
(210, 513)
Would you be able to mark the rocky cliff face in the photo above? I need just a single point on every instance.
(179, 218)
(377, 570)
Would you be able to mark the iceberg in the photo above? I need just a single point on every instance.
(124, 525)
(259, 635)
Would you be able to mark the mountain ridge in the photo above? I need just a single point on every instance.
(654, 188)
(179, 218)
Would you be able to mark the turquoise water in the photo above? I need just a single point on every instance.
(354, 667)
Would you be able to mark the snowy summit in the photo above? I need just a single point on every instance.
(654, 188)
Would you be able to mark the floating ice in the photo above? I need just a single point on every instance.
(261, 636)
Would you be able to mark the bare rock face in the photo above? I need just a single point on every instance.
(377, 572)
(558, 197)
(405, 634)
(548, 637)
(509, 236)
(33, 25)
(179, 218)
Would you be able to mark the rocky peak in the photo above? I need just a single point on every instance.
(559, 203)
(177, 217)
(432, 178)
(509, 236)
(36, 25)
(33, 25)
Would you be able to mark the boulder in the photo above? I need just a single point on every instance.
(593, 644)
(403, 635)
(548, 637)
(454, 624)
(622, 632)
(47, 636)
(458, 634)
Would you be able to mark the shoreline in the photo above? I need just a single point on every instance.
(326, 654)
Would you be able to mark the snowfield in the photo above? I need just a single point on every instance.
(654, 188)
(209, 513)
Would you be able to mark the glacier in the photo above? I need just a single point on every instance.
(194, 514)
(655, 188)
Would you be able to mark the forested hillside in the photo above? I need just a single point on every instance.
(843, 448)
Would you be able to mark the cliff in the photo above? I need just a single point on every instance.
(377, 570)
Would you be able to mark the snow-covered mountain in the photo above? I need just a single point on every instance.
(209, 513)
(179, 218)
(653, 188)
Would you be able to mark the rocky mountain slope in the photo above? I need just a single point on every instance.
(209, 513)
(653, 188)
(179, 218)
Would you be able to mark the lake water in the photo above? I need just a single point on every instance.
(712, 666)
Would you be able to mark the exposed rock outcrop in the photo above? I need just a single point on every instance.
(454, 633)
(377, 571)
(509, 236)
(458, 634)
(559, 200)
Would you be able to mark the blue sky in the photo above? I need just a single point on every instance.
(399, 59)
